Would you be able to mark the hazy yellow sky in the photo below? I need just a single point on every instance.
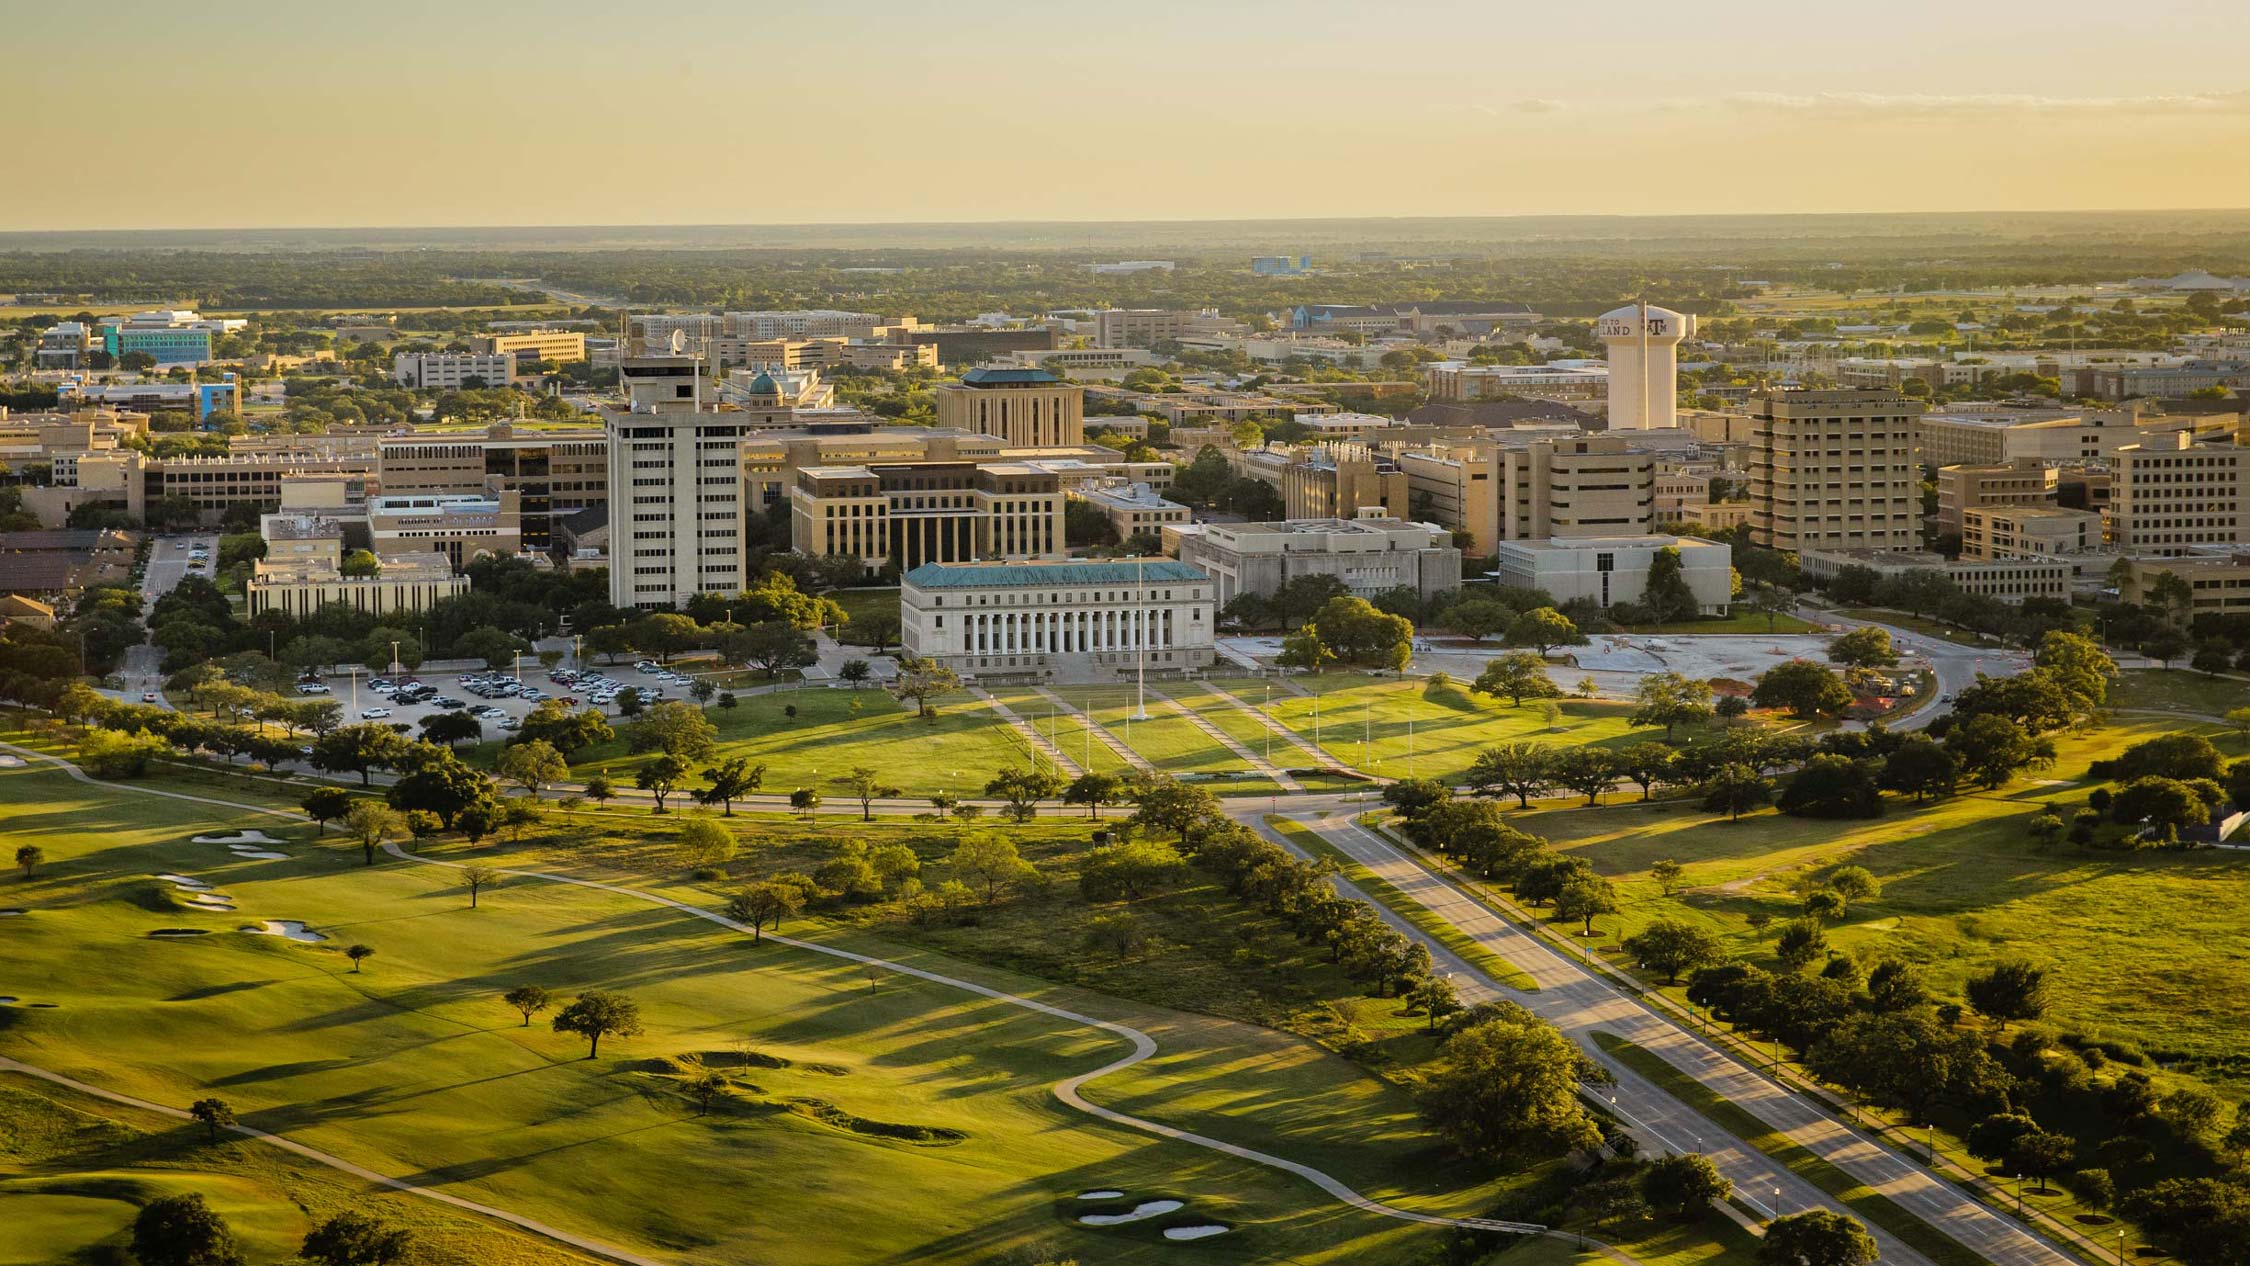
(131, 114)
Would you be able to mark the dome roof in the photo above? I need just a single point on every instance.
(1632, 312)
(764, 385)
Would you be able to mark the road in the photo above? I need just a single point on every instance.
(1580, 1003)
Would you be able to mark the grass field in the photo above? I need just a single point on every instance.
(414, 1067)
(1414, 912)
(2140, 943)
(1743, 620)
(1414, 730)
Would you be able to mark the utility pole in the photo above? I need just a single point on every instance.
(1140, 637)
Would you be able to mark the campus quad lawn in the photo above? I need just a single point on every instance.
(2143, 946)
(2177, 690)
(1171, 742)
(1068, 732)
(1450, 725)
(959, 750)
(415, 1067)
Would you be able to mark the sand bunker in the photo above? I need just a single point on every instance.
(189, 882)
(1144, 1210)
(238, 837)
(1099, 1195)
(210, 901)
(288, 929)
(10, 762)
(1193, 1232)
(12, 912)
(246, 853)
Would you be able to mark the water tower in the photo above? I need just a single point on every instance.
(1644, 365)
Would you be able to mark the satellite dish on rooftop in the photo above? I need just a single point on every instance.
(679, 342)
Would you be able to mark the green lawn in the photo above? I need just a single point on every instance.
(415, 1067)
(1919, 624)
(959, 750)
(2142, 945)
(1740, 620)
(2178, 690)
(1412, 729)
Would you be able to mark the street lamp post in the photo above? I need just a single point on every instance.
(1139, 626)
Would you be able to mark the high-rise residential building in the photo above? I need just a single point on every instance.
(897, 516)
(1834, 470)
(1141, 327)
(2166, 498)
(676, 509)
(1029, 408)
(1644, 365)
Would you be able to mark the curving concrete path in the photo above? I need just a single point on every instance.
(1068, 1091)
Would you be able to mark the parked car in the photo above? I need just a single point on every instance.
(311, 688)
(373, 714)
(148, 696)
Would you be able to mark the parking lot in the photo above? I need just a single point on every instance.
(497, 699)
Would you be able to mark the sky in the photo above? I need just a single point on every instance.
(260, 113)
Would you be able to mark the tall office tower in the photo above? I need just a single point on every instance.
(1029, 408)
(1834, 470)
(1644, 365)
(676, 509)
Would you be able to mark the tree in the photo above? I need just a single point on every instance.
(705, 842)
(1805, 688)
(436, 781)
(476, 877)
(1519, 675)
(352, 1238)
(357, 749)
(1522, 770)
(1543, 629)
(1669, 699)
(665, 634)
(1589, 771)
(1994, 1137)
(1921, 768)
(2040, 1154)
(1801, 943)
(2013, 990)
(1674, 948)
(857, 672)
(496, 647)
(989, 864)
(451, 728)
(599, 788)
(1509, 1085)
(1646, 764)
(29, 857)
(2165, 645)
(1992, 748)
(923, 680)
(1094, 790)
(1304, 649)
(1023, 789)
(805, 801)
(773, 647)
(1667, 594)
(553, 723)
(1583, 898)
(764, 903)
(675, 729)
(705, 1088)
(1130, 871)
(1667, 873)
(325, 804)
(1868, 647)
(533, 765)
(661, 777)
(213, 1114)
(183, 1231)
(1435, 998)
(1854, 884)
(2078, 663)
(866, 787)
(528, 1000)
(1683, 1186)
(369, 822)
(1818, 1237)
(596, 1014)
(1832, 786)
(731, 780)
(1734, 789)
(358, 954)
(1477, 618)
(2165, 805)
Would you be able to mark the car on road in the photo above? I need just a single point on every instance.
(148, 696)
(373, 714)
(648, 666)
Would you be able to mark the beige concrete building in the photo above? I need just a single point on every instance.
(2168, 497)
(1971, 435)
(1134, 509)
(1327, 481)
(1594, 486)
(1369, 555)
(1834, 470)
(1608, 570)
(532, 346)
(2008, 579)
(1715, 516)
(2028, 531)
(677, 518)
(2026, 481)
(1142, 327)
(1059, 621)
(460, 527)
(898, 517)
(2219, 580)
(451, 371)
(554, 473)
(302, 572)
(1026, 407)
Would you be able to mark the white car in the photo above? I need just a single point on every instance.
(311, 688)
(373, 714)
